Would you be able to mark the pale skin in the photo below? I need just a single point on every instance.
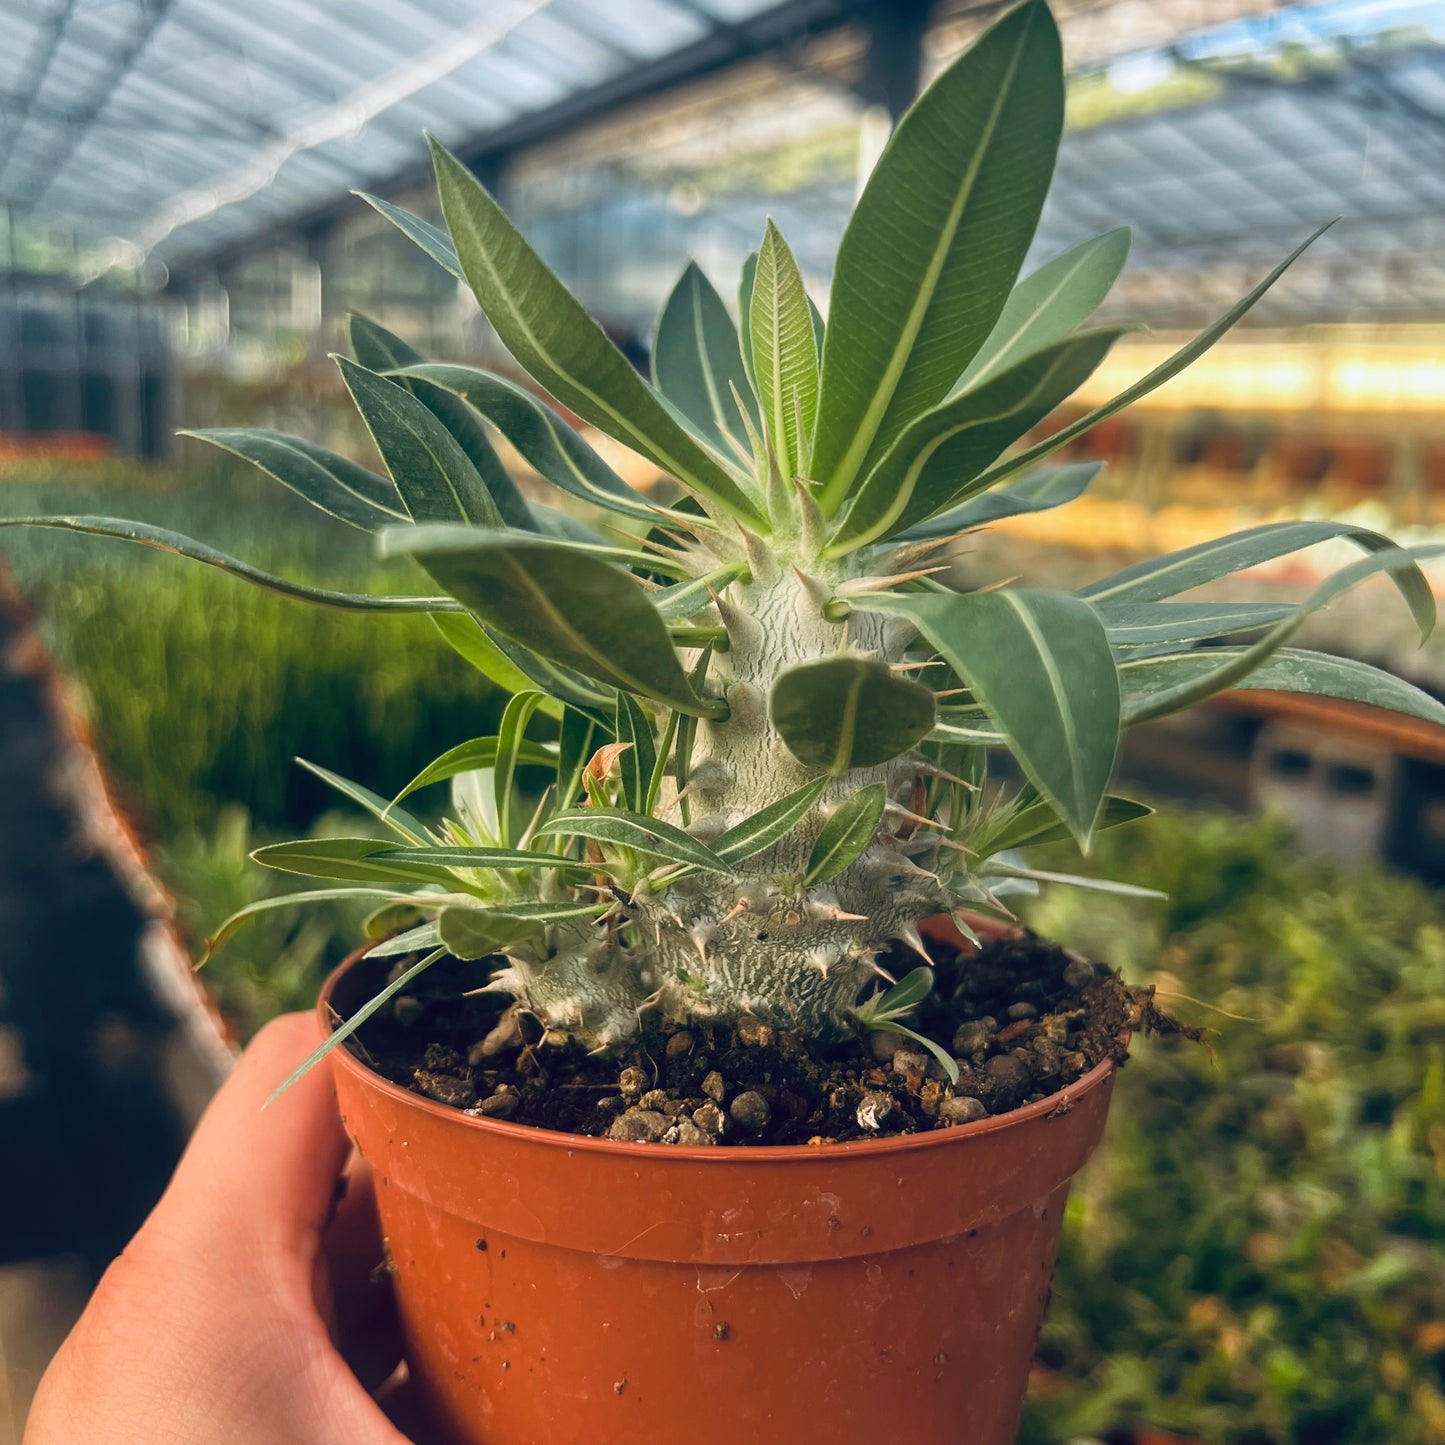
(245, 1310)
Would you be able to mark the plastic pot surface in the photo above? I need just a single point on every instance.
(561, 1290)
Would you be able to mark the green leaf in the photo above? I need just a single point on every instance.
(1036, 823)
(769, 825)
(1040, 665)
(697, 362)
(436, 479)
(1165, 371)
(1228, 672)
(165, 541)
(852, 827)
(238, 920)
(746, 282)
(561, 604)
(1038, 492)
(899, 998)
(686, 599)
(848, 712)
(479, 932)
(335, 484)
(635, 831)
(933, 463)
(397, 819)
(467, 636)
(545, 442)
(541, 323)
(1289, 670)
(1049, 305)
(996, 868)
(510, 742)
(346, 1030)
(1176, 572)
(936, 241)
(421, 939)
(636, 764)
(575, 748)
(470, 757)
(429, 236)
(371, 860)
(380, 351)
(785, 353)
(892, 1026)
(1141, 624)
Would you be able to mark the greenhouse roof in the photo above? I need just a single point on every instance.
(181, 126)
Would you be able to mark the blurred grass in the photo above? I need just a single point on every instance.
(1255, 1257)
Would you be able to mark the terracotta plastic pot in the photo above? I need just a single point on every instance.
(560, 1290)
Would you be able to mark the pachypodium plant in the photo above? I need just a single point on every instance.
(767, 718)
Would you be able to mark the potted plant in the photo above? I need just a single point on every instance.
(681, 1129)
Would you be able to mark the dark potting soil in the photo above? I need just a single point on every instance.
(1023, 1017)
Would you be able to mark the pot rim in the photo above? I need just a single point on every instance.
(690, 1153)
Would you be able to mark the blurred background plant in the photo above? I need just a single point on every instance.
(1254, 1258)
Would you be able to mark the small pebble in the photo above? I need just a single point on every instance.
(754, 1033)
(445, 1089)
(407, 1010)
(883, 1045)
(500, 1105)
(691, 1136)
(1079, 972)
(751, 1111)
(714, 1087)
(972, 1037)
(673, 1107)
(612, 1104)
(632, 1082)
(710, 1117)
(1049, 1055)
(875, 1111)
(1006, 1069)
(906, 1062)
(1021, 1010)
(962, 1110)
(1074, 1063)
(653, 1099)
(680, 1045)
(642, 1126)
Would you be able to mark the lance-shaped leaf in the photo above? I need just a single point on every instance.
(1177, 572)
(510, 742)
(1145, 624)
(1289, 670)
(542, 324)
(1049, 305)
(746, 282)
(932, 464)
(335, 484)
(637, 763)
(852, 827)
(466, 635)
(785, 353)
(686, 599)
(426, 234)
(1035, 823)
(1228, 671)
(697, 362)
(345, 1031)
(848, 712)
(420, 939)
(371, 860)
(998, 868)
(435, 477)
(1165, 371)
(557, 602)
(163, 540)
(1041, 666)
(397, 819)
(936, 241)
(469, 757)
(1039, 492)
(381, 351)
(480, 932)
(637, 832)
(769, 825)
(239, 919)
(574, 750)
(545, 442)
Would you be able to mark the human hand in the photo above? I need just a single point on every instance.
(244, 1312)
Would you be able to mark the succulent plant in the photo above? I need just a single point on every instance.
(769, 718)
